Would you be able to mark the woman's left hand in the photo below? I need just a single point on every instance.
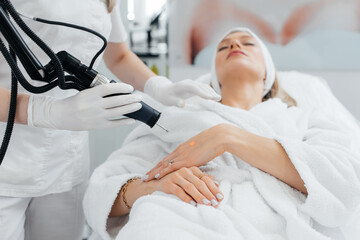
(196, 151)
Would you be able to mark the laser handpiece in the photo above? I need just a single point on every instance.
(145, 114)
(86, 77)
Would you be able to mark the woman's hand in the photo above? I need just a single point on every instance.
(196, 151)
(192, 186)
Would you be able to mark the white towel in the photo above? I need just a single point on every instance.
(256, 205)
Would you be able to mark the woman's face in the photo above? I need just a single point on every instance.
(239, 53)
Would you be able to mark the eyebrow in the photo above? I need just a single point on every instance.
(243, 36)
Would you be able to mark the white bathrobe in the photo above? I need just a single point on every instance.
(324, 148)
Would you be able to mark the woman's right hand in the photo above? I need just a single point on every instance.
(192, 186)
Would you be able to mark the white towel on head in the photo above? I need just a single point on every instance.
(269, 64)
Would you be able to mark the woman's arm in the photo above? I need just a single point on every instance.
(135, 190)
(126, 65)
(263, 153)
(21, 106)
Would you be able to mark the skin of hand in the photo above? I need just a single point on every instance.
(196, 151)
(263, 153)
(184, 183)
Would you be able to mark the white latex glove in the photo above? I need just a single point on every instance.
(169, 93)
(86, 110)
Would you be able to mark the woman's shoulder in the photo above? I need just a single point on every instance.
(284, 120)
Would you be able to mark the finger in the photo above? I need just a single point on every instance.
(120, 122)
(180, 193)
(202, 90)
(117, 112)
(205, 92)
(113, 88)
(151, 174)
(214, 95)
(120, 100)
(192, 191)
(202, 188)
(212, 187)
(213, 179)
(172, 168)
(161, 165)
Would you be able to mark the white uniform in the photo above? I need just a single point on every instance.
(40, 162)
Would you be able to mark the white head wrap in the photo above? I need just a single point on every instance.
(269, 64)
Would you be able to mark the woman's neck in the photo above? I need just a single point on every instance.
(241, 94)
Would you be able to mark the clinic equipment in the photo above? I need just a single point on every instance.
(80, 76)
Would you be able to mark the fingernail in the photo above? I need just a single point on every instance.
(157, 175)
(193, 203)
(219, 196)
(205, 201)
(214, 202)
(143, 178)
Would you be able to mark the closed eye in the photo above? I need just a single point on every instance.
(222, 48)
(249, 44)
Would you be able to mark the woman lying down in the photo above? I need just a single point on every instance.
(251, 167)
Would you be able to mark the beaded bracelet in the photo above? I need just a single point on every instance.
(124, 188)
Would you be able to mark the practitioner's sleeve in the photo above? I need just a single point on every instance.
(118, 32)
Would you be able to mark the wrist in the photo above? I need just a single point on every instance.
(22, 107)
(143, 188)
(230, 137)
(221, 137)
(150, 186)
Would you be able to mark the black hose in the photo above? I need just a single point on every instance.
(79, 28)
(20, 77)
(55, 60)
(17, 75)
(12, 108)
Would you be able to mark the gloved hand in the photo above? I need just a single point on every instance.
(86, 110)
(169, 93)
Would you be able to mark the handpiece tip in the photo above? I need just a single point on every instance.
(162, 128)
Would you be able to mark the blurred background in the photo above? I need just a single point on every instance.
(175, 38)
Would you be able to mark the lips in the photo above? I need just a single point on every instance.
(235, 52)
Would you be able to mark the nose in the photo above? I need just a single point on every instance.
(235, 43)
